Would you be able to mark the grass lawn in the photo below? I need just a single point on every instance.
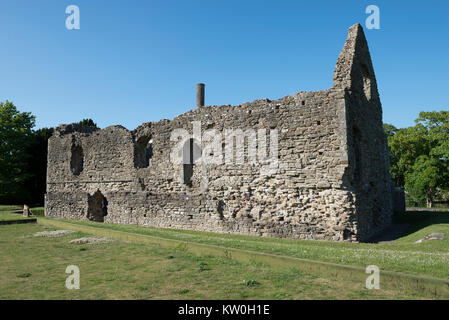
(38, 211)
(430, 258)
(34, 268)
(4, 216)
(10, 208)
(7, 214)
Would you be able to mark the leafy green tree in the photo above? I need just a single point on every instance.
(436, 125)
(419, 156)
(23, 156)
(406, 145)
(15, 138)
(37, 165)
(87, 123)
(390, 130)
(428, 175)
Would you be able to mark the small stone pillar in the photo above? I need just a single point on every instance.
(200, 95)
(26, 211)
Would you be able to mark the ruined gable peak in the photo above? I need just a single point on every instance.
(354, 70)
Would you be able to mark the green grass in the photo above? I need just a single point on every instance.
(34, 268)
(217, 277)
(10, 208)
(7, 214)
(38, 211)
(4, 215)
(403, 282)
(430, 258)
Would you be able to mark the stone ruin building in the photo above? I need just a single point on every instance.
(331, 182)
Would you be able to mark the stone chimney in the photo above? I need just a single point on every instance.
(200, 95)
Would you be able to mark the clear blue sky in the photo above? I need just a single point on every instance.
(136, 61)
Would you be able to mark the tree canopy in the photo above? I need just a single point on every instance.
(419, 156)
(23, 156)
(87, 123)
(15, 138)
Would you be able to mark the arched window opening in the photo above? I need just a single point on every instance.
(143, 152)
(97, 207)
(77, 160)
(191, 152)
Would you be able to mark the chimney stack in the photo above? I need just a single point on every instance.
(200, 95)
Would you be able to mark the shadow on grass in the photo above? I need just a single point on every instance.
(418, 220)
(410, 222)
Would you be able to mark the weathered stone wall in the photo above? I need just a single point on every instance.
(331, 180)
(368, 172)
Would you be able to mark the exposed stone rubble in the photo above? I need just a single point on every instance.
(332, 181)
(91, 240)
(56, 233)
(432, 236)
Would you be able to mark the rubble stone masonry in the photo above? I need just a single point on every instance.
(331, 181)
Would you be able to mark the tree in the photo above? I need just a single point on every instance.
(23, 156)
(390, 130)
(87, 123)
(437, 126)
(405, 145)
(428, 175)
(15, 138)
(419, 156)
(37, 165)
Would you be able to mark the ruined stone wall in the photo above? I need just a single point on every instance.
(369, 165)
(325, 184)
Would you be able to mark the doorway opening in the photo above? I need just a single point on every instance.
(98, 207)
